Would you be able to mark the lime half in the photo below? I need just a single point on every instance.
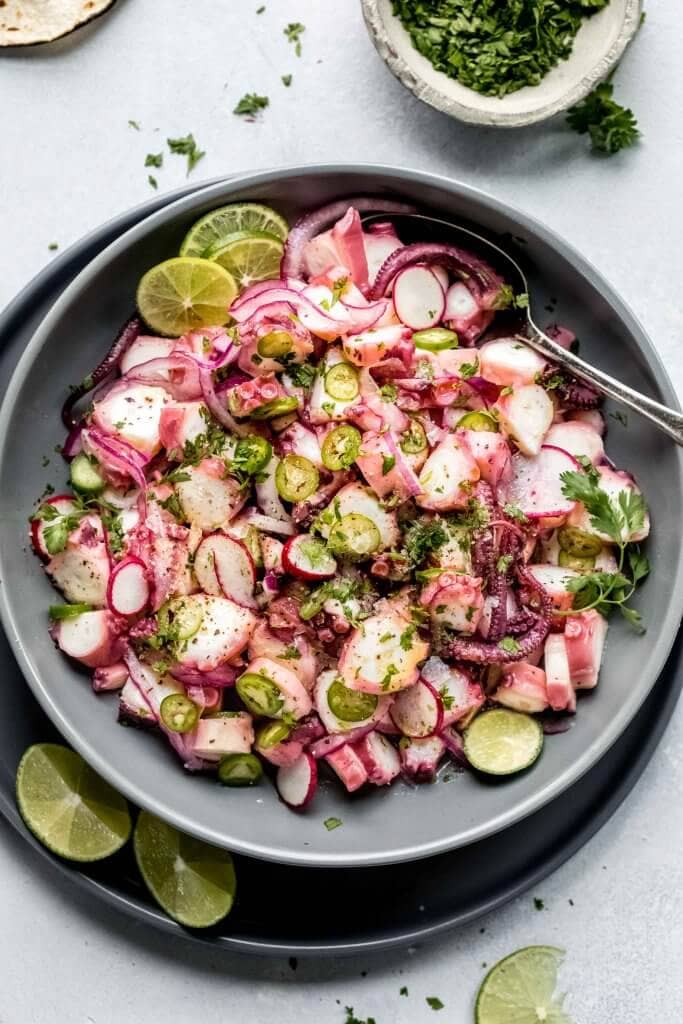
(216, 227)
(193, 882)
(249, 256)
(68, 807)
(521, 989)
(501, 742)
(185, 294)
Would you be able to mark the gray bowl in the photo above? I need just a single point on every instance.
(380, 826)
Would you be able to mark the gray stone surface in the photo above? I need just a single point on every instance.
(70, 161)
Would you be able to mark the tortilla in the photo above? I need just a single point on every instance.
(26, 22)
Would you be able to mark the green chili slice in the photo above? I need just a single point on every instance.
(276, 407)
(252, 454)
(68, 611)
(260, 694)
(274, 345)
(435, 339)
(579, 543)
(271, 734)
(240, 770)
(350, 705)
(414, 439)
(296, 478)
(341, 382)
(179, 713)
(478, 421)
(341, 447)
(354, 536)
(581, 563)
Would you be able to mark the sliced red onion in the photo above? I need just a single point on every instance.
(216, 407)
(124, 339)
(410, 481)
(557, 724)
(481, 277)
(365, 317)
(116, 456)
(328, 744)
(316, 221)
(268, 524)
(308, 730)
(487, 391)
(301, 304)
(271, 584)
(74, 443)
(178, 374)
(218, 678)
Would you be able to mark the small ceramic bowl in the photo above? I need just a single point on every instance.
(598, 47)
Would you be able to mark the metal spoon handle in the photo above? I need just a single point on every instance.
(668, 420)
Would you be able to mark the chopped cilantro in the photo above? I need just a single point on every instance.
(152, 181)
(53, 246)
(135, 125)
(509, 645)
(290, 653)
(261, 9)
(187, 146)
(538, 904)
(434, 1003)
(172, 505)
(504, 563)
(154, 160)
(388, 463)
(294, 31)
(388, 392)
(301, 375)
(406, 638)
(514, 512)
(424, 537)
(251, 104)
(468, 370)
(403, 991)
(286, 80)
(332, 823)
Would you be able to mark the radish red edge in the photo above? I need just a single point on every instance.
(296, 562)
(38, 525)
(128, 587)
(297, 783)
(418, 711)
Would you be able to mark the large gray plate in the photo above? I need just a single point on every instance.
(383, 826)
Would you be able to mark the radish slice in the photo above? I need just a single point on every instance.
(308, 558)
(297, 783)
(223, 566)
(128, 587)
(460, 696)
(536, 487)
(419, 299)
(418, 711)
(64, 505)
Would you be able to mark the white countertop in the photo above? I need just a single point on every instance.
(71, 161)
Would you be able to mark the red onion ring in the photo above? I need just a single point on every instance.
(313, 223)
(124, 339)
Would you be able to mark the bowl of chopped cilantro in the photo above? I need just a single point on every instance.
(502, 64)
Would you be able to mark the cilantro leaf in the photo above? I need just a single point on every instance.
(251, 104)
(610, 126)
(187, 146)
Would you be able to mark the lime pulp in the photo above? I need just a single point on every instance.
(192, 881)
(68, 807)
(521, 988)
(501, 742)
(249, 256)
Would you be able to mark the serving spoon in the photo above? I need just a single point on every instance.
(669, 421)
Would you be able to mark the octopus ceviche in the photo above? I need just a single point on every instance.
(327, 506)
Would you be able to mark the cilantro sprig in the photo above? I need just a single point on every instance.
(619, 519)
(610, 126)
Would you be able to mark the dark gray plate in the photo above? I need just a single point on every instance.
(439, 894)
(384, 826)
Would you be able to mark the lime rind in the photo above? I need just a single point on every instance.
(68, 807)
(217, 226)
(185, 294)
(193, 882)
(520, 989)
(502, 742)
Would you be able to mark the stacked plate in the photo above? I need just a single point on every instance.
(423, 859)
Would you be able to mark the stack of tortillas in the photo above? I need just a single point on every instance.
(25, 22)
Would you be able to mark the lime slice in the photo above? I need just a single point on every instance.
(249, 256)
(215, 228)
(68, 807)
(501, 742)
(521, 989)
(185, 294)
(193, 882)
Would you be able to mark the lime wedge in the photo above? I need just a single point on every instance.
(501, 742)
(521, 989)
(68, 807)
(249, 256)
(215, 227)
(193, 882)
(185, 294)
